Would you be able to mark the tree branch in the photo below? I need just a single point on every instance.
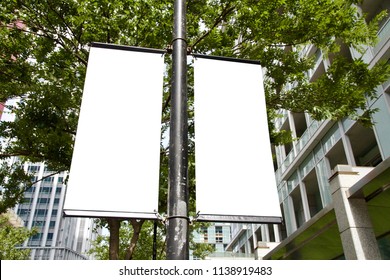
(137, 226)
(53, 34)
(167, 102)
(66, 24)
(114, 225)
(26, 187)
(226, 10)
(42, 179)
(12, 77)
(15, 154)
(67, 130)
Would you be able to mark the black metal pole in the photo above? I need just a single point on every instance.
(177, 228)
(154, 240)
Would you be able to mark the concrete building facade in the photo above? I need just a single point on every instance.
(218, 235)
(310, 170)
(58, 237)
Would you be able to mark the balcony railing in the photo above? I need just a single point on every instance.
(298, 146)
(383, 36)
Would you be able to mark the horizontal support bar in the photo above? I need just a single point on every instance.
(110, 214)
(126, 48)
(232, 59)
(239, 219)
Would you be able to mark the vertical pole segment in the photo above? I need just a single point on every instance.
(154, 257)
(177, 230)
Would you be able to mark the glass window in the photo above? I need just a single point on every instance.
(331, 138)
(45, 189)
(41, 212)
(204, 231)
(38, 223)
(33, 168)
(23, 211)
(292, 182)
(48, 179)
(30, 190)
(307, 165)
(36, 237)
(218, 230)
(288, 209)
(347, 123)
(318, 152)
(323, 182)
(50, 236)
(42, 200)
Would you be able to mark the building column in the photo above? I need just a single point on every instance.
(277, 233)
(261, 250)
(347, 145)
(356, 232)
(305, 201)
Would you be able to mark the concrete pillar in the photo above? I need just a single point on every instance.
(305, 201)
(347, 145)
(261, 250)
(356, 232)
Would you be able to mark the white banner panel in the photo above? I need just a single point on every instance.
(116, 158)
(234, 167)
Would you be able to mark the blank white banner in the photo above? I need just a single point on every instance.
(116, 158)
(234, 167)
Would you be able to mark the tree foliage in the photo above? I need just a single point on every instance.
(14, 181)
(144, 250)
(10, 238)
(44, 52)
(144, 247)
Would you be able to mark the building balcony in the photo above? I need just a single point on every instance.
(298, 146)
(383, 37)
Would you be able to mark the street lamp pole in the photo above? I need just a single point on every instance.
(178, 223)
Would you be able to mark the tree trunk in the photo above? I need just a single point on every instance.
(137, 226)
(114, 225)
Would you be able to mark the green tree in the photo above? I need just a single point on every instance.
(144, 247)
(44, 54)
(100, 246)
(14, 181)
(10, 238)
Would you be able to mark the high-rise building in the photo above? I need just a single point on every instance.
(58, 237)
(333, 181)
